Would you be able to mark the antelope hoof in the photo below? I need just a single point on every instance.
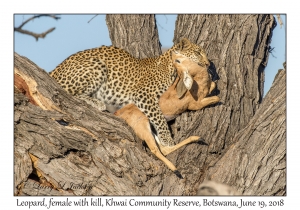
(202, 142)
(177, 173)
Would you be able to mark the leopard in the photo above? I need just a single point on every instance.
(110, 78)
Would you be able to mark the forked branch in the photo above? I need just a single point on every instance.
(36, 35)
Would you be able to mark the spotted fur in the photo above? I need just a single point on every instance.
(115, 78)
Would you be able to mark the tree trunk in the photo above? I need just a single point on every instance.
(137, 34)
(237, 46)
(256, 163)
(64, 146)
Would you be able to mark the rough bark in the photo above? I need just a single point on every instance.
(136, 34)
(256, 163)
(65, 146)
(237, 46)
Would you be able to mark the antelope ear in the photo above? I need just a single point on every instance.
(185, 83)
(187, 80)
(180, 88)
(173, 54)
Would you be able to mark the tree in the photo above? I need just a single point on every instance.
(63, 146)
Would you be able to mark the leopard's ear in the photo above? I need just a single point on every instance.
(183, 45)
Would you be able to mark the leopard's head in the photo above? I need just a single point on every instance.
(192, 51)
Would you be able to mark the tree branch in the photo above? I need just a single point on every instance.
(92, 18)
(35, 35)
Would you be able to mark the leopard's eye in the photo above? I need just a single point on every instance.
(198, 53)
(177, 61)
